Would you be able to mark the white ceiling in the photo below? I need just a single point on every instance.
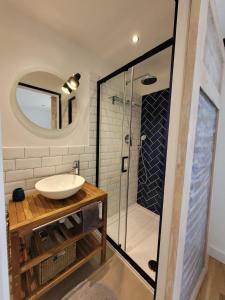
(105, 27)
(157, 65)
(221, 14)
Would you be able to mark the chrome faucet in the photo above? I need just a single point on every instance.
(76, 167)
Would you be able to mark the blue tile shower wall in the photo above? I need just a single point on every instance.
(152, 162)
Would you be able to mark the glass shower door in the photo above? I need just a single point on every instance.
(126, 144)
(114, 146)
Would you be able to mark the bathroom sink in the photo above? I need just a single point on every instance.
(59, 186)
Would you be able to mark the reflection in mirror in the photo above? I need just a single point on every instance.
(40, 98)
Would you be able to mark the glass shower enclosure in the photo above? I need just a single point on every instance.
(122, 166)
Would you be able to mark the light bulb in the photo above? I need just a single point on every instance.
(73, 81)
(135, 38)
(66, 89)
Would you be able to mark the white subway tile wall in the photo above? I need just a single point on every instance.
(36, 151)
(12, 176)
(9, 165)
(114, 128)
(59, 150)
(24, 166)
(13, 153)
(27, 163)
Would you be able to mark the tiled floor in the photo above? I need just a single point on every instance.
(115, 274)
(142, 235)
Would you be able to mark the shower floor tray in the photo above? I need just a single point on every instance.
(142, 234)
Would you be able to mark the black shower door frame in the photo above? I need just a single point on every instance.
(161, 47)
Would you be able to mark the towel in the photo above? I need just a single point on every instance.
(90, 215)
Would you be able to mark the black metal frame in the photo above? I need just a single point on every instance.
(70, 109)
(132, 262)
(48, 92)
(170, 42)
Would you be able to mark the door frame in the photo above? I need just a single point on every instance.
(190, 75)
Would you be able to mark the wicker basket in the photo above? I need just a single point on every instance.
(49, 268)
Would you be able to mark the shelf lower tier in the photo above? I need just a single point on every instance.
(87, 248)
(71, 237)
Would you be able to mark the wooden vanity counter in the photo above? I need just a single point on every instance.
(37, 211)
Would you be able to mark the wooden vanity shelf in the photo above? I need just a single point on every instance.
(36, 212)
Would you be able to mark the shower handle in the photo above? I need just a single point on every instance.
(124, 164)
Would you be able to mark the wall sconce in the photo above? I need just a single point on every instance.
(73, 81)
(71, 84)
(66, 89)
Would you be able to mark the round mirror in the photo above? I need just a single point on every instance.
(44, 102)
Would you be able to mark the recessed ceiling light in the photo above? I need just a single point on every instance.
(135, 38)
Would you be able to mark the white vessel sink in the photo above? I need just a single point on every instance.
(59, 186)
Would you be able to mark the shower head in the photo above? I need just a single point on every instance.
(146, 79)
(143, 137)
(149, 79)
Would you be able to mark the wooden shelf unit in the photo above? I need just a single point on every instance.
(36, 211)
(87, 248)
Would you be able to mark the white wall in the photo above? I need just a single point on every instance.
(217, 220)
(220, 4)
(29, 46)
